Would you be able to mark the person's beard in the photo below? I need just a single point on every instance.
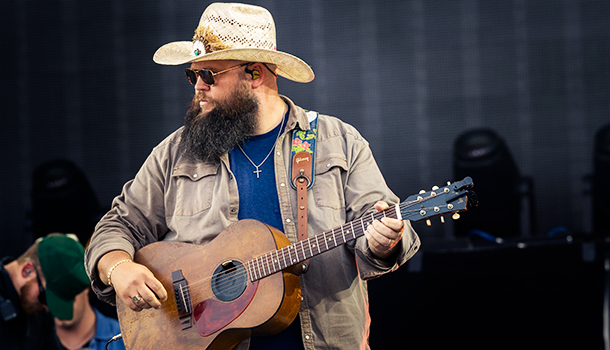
(29, 303)
(207, 136)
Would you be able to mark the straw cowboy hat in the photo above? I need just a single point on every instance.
(229, 31)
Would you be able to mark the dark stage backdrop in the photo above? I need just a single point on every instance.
(78, 82)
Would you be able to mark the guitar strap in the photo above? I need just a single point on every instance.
(302, 169)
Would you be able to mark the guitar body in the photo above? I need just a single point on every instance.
(220, 318)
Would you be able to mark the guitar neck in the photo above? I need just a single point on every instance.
(452, 198)
(272, 262)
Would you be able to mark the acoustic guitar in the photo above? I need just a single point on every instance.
(242, 283)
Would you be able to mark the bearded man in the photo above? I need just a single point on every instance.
(232, 160)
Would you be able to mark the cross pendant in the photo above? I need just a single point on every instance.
(257, 172)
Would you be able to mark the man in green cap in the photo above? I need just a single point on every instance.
(50, 276)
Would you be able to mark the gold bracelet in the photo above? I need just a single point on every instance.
(112, 269)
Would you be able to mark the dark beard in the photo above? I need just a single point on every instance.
(26, 291)
(206, 137)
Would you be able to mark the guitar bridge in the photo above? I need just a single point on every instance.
(183, 300)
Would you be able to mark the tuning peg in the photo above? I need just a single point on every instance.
(442, 219)
(455, 216)
(428, 222)
(422, 191)
(448, 183)
(434, 188)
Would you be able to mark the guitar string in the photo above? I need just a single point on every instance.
(298, 251)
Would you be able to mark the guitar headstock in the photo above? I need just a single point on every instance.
(453, 198)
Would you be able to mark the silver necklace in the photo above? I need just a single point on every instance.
(258, 171)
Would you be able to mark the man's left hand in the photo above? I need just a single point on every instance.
(385, 234)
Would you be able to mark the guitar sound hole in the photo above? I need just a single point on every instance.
(229, 280)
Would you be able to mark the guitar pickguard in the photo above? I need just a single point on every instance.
(212, 315)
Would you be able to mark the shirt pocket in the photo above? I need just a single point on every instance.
(328, 182)
(194, 188)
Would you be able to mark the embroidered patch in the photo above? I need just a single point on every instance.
(301, 141)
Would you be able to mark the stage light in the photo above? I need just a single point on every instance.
(63, 201)
(505, 197)
(601, 177)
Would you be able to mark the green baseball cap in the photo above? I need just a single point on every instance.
(62, 263)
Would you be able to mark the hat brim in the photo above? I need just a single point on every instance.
(60, 308)
(288, 66)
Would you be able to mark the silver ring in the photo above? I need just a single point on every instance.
(136, 298)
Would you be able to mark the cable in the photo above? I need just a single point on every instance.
(486, 236)
(115, 338)
(556, 230)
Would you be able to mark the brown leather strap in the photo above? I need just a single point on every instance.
(301, 178)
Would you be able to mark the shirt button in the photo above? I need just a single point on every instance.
(282, 185)
(307, 337)
(194, 175)
(288, 220)
(279, 153)
(328, 165)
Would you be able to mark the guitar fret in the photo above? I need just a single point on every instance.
(318, 244)
(261, 269)
(284, 256)
(362, 223)
(296, 254)
(255, 268)
(258, 269)
(309, 244)
(277, 259)
(289, 254)
(269, 263)
(266, 262)
(303, 250)
(262, 263)
(343, 234)
(353, 230)
(325, 241)
(335, 237)
(252, 277)
(272, 266)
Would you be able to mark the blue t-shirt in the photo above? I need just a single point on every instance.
(106, 328)
(258, 199)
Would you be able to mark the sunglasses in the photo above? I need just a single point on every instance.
(42, 293)
(206, 75)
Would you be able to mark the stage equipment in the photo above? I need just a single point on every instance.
(63, 201)
(483, 155)
(601, 176)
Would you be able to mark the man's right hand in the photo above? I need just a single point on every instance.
(130, 280)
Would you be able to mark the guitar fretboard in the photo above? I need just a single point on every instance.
(439, 201)
(272, 262)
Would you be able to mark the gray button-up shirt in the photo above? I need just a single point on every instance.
(173, 198)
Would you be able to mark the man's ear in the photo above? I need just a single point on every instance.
(257, 74)
(27, 269)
